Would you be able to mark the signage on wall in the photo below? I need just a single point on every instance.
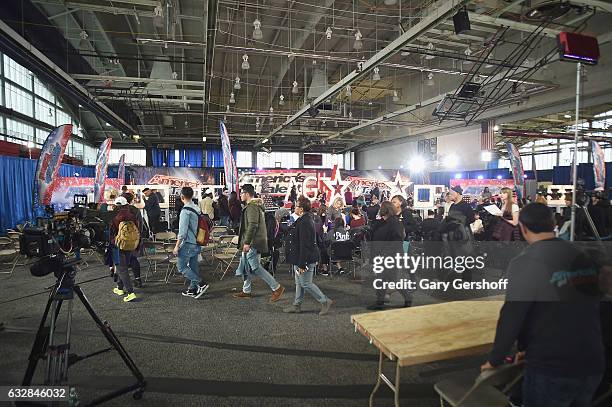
(313, 159)
(428, 148)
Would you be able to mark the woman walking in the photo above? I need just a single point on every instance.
(302, 254)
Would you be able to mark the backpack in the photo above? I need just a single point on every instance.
(128, 236)
(204, 225)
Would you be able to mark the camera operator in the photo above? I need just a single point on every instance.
(125, 232)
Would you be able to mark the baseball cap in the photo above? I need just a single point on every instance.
(121, 201)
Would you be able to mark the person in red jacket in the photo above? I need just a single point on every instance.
(124, 212)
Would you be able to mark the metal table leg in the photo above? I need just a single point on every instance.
(378, 378)
(394, 386)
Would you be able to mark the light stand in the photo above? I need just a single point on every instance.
(575, 161)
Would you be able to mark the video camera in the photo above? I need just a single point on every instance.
(58, 234)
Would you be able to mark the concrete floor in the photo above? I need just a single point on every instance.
(217, 350)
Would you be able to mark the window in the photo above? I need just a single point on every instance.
(349, 160)
(286, 160)
(134, 156)
(18, 99)
(64, 118)
(40, 89)
(21, 132)
(89, 155)
(17, 73)
(45, 112)
(244, 159)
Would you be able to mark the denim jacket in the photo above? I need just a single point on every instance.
(188, 224)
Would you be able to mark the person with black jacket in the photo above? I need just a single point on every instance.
(153, 209)
(388, 229)
(302, 254)
(373, 208)
(224, 209)
(403, 211)
(551, 311)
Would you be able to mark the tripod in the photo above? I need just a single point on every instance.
(47, 344)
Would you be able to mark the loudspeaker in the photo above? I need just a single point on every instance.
(578, 48)
(461, 21)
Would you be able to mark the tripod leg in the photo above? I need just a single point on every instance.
(114, 342)
(41, 341)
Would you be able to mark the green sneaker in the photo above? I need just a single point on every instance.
(118, 291)
(129, 297)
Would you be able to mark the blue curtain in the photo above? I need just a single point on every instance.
(191, 157)
(444, 177)
(163, 156)
(214, 158)
(16, 183)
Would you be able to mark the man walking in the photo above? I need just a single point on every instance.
(153, 209)
(253, 241)
(187, 248)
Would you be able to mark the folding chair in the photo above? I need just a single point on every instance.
(156, 253)
(342, 251)
(9, 255)
(228, 254)
(461, 390)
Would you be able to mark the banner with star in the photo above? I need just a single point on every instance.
(48, 164)
(101, 168)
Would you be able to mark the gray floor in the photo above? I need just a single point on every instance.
(217, 351)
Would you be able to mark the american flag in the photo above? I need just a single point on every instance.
(487, 135)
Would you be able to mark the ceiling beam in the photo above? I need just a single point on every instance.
(515, 25)
(134, 79)
(438, 12)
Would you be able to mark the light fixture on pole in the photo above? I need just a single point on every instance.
(257, 33)
(395, 96)
(376, 75)
(430, 79)
(237, 83)
(232, 98)
(328, 33)
(281, 100)
(358, 41)
(245, 62)
(295, 89)
(430, 47)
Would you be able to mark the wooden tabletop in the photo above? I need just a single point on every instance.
(431, 332)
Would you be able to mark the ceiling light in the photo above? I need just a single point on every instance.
(158, 16)
(430, 79)
(496, 128)
(271, 111)
(295, 89)
(328, 33)
(281, 100)
(237, 83)
(83, 42)
(257, 34)
(567, 116)
(232, 98)
(245, 62)
(545, 131)
(107, 124)
(350, 115)
(376, 75)
(430, 47)
(480, 177)
(174, 75)
(203, 139)
(136, 137)
(358, 41)
(349, 91)
(395, 96)
(499, 177)
(264, 141)
(227, 108)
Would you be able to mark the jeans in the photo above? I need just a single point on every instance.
(541, 390)
(224, 221)
(187, 263)
(252, 259)
(123, 259)
(303, 282)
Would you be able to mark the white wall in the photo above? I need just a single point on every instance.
(465, 143)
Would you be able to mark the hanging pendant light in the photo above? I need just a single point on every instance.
(376, 75)
(281, 100)
(245, 62)
(158, 16)
(295, 89)
(174, 75)
(237, 83)
(83, 42)
(358, 44)
(468, 53)
(257, 33)
(430, 47)
(271, 111)
(328, 33)
(232, 98)
(350, 115)
(349, 91)
(395, 96)
(430, 79)
(227, 108)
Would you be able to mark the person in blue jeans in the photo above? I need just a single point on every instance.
(551, 312)
(253, 241)
(187, 248)
(303, 254)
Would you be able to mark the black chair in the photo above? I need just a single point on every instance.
(342, 251)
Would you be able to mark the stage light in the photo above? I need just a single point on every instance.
(83, 42)
(328, 33)
(158, 16)
(480, 177)
(281, 100)
(257, 34)
(358, 41)
(174, 75)
(245, 62)
(450, 161)
(417, 164)
(458, 175)
(237, 83)
(271, 111)
(76, 174)
(401, 166)
(486, 156)
(499, 177)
